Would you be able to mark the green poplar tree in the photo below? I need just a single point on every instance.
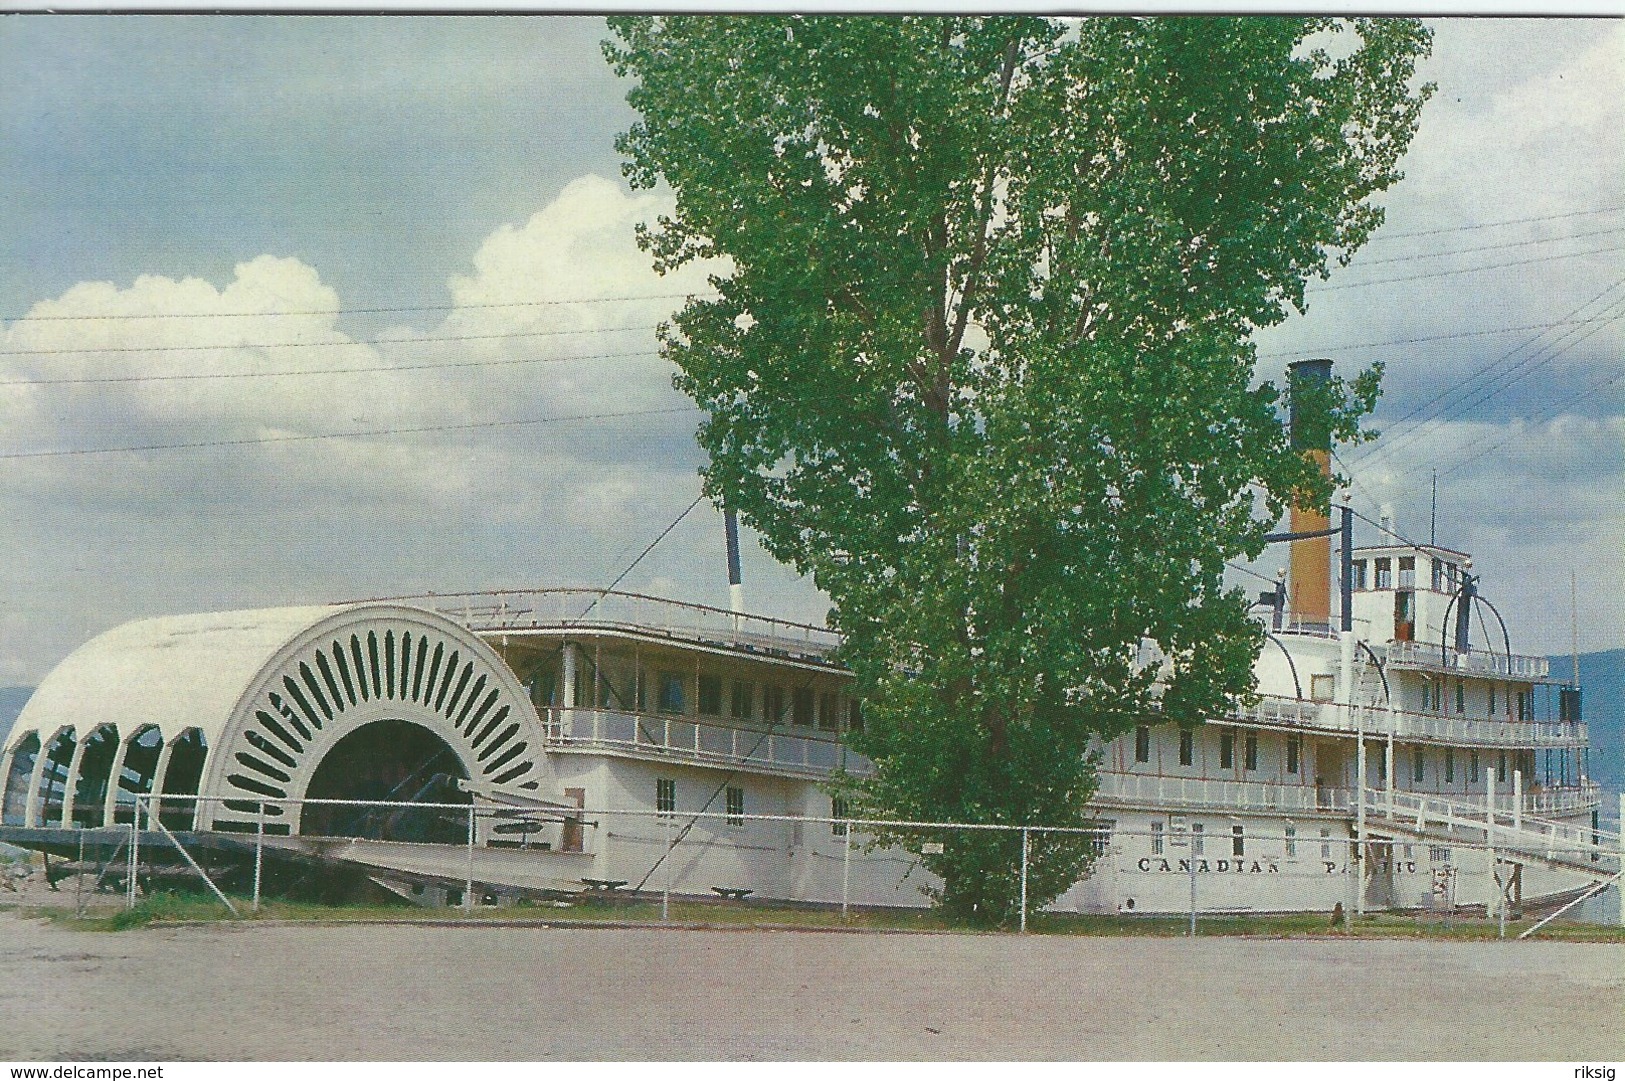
(981, 364)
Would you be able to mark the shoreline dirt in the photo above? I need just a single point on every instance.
(402, 992)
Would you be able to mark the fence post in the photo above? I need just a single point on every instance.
(1023, 879)
(135, 847)
(468, 883)
(79, 880)
(259, 852)
(671, 858)
(846, 867)
(1494, 880)
(1191, 863)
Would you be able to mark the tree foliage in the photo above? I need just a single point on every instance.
(982, 364)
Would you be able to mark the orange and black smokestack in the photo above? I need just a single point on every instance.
(1311, 580)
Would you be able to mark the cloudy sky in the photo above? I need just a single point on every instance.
(423, 217)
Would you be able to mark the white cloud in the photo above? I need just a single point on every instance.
(297, 519)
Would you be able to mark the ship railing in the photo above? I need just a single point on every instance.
(1514, 830)
(1275, 712)
(563, 608)
(1158, 790)
(1473, 662)
(696, 741)
(1575, 799)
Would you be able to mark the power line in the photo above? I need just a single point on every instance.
(1543, 415)
(1490, 247)
(322, 371)
(1467, 270)
(651, 547)
(361, 433)
(318, 345)
(1495, 224)
(1465, 395)
(350, 311)
(1447, 398)
(1417, 340)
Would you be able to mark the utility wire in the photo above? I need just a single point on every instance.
(1489, 247)
(1514, 351)
(1495, 224)
(1450, 398)
(1465, 270)
(1317, 349)
(361, 433)
(651, 547)
(193, 376)
(352, 311)
(1461, 400)
(1542, 416)
(318, 345)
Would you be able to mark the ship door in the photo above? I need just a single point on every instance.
(1379, 875)
(570, 839)
(1330, 773)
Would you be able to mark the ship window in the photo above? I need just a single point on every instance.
(1385, 574)
(1407, 572)
(801, 704)
(1461, 697)
(1293, 747)
(837, 809)
(1438, 854)
(671, 692)
(1325, 844)
(1382, 769)
(1291, 842)
(854, 715)
(736, 806)
(1321, 687)
(1359, 574)
(829, 712)
(743, 699)
(1449, 765)
(1100, 841)
(711, 695)
(1491, 711)
(1472, 767)
(1252, 752)
(1156, 838)
(1197, 841)
(1142, 743)
(1238, 841)
(1227, 750)
(1416, 765)
(1187, 746)
(665, 795)
(772, 703)
(1501, 767)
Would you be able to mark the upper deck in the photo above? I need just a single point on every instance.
(1431, 657)
(589, 611)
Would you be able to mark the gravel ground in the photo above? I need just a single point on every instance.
(453, 993)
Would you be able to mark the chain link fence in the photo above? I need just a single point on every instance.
(467, 855)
